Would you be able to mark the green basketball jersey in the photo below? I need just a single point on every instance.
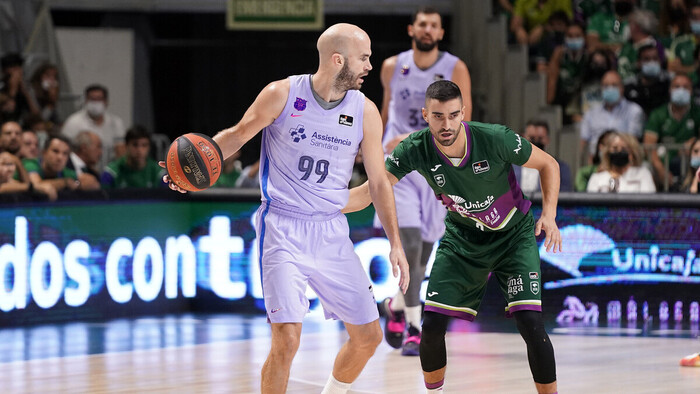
(481, 191)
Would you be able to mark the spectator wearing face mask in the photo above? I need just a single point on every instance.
(615, 112)
(565, 74)
(643, 25)
(584, 173)
(689, 183)
(553, 38)
(598, 63)
(95, 117)
(676, 122)
(44, 88)
(621, 169)
(537, 132)
(649, 87)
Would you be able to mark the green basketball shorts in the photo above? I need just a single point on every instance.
(466, 258)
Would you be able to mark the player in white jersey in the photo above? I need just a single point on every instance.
(405, 77)
(313, 126)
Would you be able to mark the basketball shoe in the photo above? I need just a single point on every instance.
(411, 346)
(691, 361)
(394, 325)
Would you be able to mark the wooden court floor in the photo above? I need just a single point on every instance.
(197, 355)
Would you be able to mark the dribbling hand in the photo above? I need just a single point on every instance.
(170, 183)
(399, 265)
(553, 239)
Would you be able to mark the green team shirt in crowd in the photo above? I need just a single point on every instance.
(670, 130)
(681, 47)
(119, 175)
(627, 59)
(650, 5)
(588, 8)
(608, 29)
(535, 13)
(570, 80)
(480, 192)
(32, 165)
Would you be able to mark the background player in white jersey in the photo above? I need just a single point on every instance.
(313, 127)
(404, 78)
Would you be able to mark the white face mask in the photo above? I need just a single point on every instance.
(47, 84)
(95, 108)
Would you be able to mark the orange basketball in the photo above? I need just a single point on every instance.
(194, 162)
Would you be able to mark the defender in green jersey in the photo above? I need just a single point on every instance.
(489, 226)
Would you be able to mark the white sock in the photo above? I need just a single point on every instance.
(333, 386)
(397, 303)
(413, 315)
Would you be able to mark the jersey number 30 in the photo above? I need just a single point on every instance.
(306, 165)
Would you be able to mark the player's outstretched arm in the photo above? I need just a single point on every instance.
(359, 199)
(549, 178)
(264, 110)
(380, 189)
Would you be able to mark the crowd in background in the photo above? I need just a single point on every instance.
(42, 155)
(625, 72)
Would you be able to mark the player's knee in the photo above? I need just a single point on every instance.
(367, 339)
(433, 355)
(539, 347)
(434, 326)
(530, 325)
(285, 341)
(375, 337)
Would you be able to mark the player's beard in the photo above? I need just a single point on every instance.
(424, 46)
(346, 80)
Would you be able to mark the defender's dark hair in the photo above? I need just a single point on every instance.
(442, 91)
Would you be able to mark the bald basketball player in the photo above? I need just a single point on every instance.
(313, 127)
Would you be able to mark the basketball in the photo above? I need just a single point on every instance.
(194, 162)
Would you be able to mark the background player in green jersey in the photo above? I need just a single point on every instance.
(489, 226)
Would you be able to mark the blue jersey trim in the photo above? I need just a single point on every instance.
(260, 243)
(265, 175)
